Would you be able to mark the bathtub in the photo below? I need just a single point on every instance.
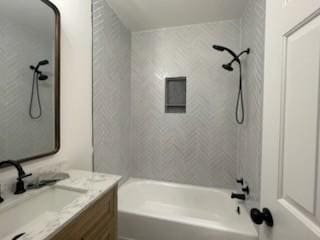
(151, 210)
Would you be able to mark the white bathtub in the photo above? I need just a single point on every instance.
(150, 210)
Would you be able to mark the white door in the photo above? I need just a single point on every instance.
(290, 158)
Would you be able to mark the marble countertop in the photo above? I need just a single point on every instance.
(93, 186)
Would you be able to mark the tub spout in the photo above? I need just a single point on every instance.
(238, 196)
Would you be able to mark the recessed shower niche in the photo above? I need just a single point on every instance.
(176, 95)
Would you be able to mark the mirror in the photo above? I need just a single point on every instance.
(29, 79)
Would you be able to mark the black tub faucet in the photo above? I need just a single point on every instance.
(238, 196)
(21, 175)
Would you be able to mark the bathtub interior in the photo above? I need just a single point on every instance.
(200, 206)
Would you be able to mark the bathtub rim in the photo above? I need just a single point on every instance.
(175, 184)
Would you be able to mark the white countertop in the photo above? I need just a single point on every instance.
(94, 185)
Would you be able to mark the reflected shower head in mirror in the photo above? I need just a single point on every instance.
(43, 77)
(41, 63)
(37, 77)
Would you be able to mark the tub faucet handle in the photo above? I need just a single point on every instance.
(240, 181)
(246, 190)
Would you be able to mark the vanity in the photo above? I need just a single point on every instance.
(83, 207)
(99, 221)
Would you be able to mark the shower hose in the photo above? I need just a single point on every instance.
(240, 105)
(35, 91)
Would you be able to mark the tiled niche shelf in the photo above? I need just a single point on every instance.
(176, 97)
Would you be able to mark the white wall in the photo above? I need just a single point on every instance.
(76, 88)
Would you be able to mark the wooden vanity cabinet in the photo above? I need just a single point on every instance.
(98, 222)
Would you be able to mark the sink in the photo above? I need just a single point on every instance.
(41, 206)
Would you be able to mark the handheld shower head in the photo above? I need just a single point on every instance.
(43, 62)
(222, 48)
(218, 48)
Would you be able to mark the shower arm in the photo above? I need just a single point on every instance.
(237, 58)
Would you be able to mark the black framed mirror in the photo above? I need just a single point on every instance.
(29, 79)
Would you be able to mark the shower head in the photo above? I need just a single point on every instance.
(236, 58)
(222, 48)
(43, 62)
(43, 77)
(218, 48)
(228, 67)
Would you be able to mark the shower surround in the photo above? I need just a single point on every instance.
(134, 137)
(198, 147)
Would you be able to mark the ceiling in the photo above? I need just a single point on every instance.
(139, 15)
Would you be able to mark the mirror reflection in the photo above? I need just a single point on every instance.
(28, 81)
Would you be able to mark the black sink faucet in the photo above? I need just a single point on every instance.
(21, 175)
(238, 196)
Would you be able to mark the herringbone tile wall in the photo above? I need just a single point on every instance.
(198, 147)
(20, 136)
(111, 91)
(250, 134)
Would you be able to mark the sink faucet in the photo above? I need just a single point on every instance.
(238, 196)
(21, 175)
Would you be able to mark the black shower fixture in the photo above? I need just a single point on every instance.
(41, 63)
(43, 77)
(228, 67)
(37, 76)
(221, 49)
(236, 58)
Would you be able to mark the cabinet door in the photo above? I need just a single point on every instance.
(101, 232)
(95, 223)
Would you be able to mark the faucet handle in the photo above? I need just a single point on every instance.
(240, 181)
(246, 190)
